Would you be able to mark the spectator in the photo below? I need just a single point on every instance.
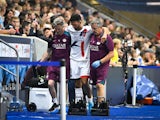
(23, 16)
(35, 28)
(25, 30)
(134, 59)
(96, 15)
(47, 33)
(44, 10)
(15, 24)
(111, 28)
(9, 14)
(67, 16)
(149, 57)
(106, 22)
(18, 10)
(3, 6)
(117, 53)
(73, 3)
(119, 32)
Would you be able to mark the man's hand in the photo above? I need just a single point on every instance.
(96, 64)
(12, 31)
(104, 36)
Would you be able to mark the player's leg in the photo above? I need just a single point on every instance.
(85, 68)
(101, 75)
(72, 82)
(100, 91)
(86, 86)
(71, 90)
(51, 85)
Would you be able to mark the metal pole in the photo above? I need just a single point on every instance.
(134, 84)
(63, 89)
(17, 81)
(8, 71)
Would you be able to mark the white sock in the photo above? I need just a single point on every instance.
(90, 100)
(55, 100)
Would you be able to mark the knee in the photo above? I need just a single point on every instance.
(99, 86)
(84, 81)
(51, 83)
(78, 83)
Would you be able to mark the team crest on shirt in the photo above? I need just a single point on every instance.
(98, 43)
(94, 48)
(64, 40)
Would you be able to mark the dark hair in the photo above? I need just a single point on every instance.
(95, 13)
(75, 17)
(46, 29)
(25, 23)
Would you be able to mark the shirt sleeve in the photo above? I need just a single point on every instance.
(109, 43)
(50, 44)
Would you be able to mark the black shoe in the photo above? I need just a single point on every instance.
(53, 107)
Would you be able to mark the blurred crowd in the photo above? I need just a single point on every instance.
(35, 18)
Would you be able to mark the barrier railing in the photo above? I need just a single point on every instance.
(62, 66)
(17, 69)
(28, 49)
(11, 76)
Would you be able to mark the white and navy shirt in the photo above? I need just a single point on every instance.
(80, 50)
